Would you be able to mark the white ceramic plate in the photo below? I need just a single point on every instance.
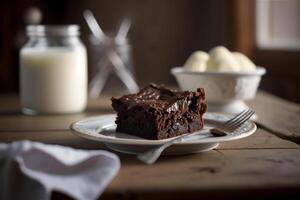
(102, 128)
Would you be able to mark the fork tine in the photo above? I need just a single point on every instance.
(247, 118)
(236, 121)
(227, 125)
(238, 118)
(242, 120)
(235, 117)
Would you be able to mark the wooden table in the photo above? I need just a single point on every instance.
(262, 165)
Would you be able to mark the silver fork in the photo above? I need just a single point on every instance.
(149, 157)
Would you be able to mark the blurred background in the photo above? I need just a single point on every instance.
(164, 33)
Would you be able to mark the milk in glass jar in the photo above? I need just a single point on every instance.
(53, 70)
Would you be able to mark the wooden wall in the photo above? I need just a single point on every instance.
(283, 66)
(163, 35)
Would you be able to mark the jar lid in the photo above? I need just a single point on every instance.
(53, 30)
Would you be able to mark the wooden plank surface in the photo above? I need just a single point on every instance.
(259, 162)
(242, 173)
(280, 117)
(262, 164)
(11, 118)
(260, 140)
(231, 169)
(277, 115)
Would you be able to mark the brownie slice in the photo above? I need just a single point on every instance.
(156, 112)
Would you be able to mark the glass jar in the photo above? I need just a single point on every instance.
(105, 80)
(53, 70)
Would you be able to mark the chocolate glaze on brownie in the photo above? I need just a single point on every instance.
(157, 112)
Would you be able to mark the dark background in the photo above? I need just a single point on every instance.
(164, 33)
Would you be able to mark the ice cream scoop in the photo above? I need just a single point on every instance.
(197, 61)
(219, 59)
(222, 60)
(244, 62)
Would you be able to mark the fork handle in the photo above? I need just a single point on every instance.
(151, 156)
(182, 137)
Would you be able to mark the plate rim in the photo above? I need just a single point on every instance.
(126, 141)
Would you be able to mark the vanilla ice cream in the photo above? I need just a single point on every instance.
(244, 62)
(219, 59)
(222, 60)
(197, 61)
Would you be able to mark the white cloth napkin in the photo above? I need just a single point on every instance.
(31, 170)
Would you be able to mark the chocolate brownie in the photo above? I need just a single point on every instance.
(156, 112)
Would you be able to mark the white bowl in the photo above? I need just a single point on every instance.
(224, 91)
